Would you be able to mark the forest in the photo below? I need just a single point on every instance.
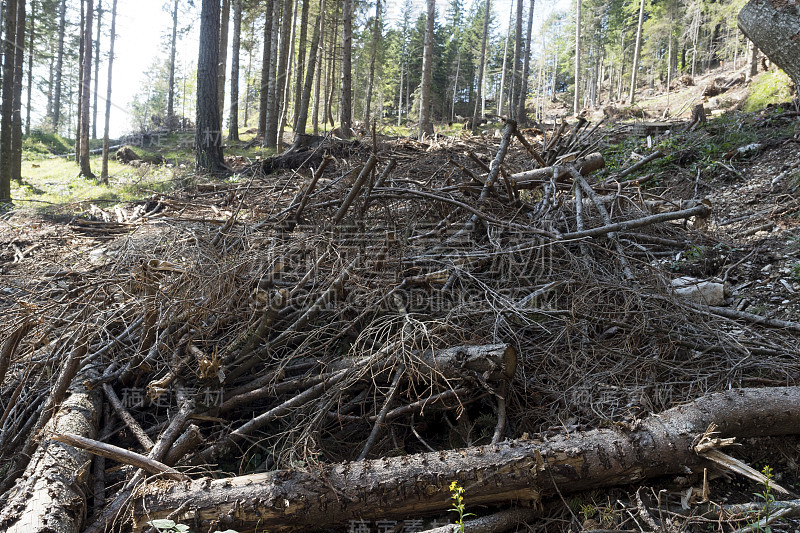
(360, 267)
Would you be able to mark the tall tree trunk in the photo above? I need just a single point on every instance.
(425, 124)
(302, 110)
(517, 68)
(282, 72)
(96, 67)
(753, 59)
(19, 61)
(62, 21)
(376, 37)
(522, 118)
(86, 170)
(173, 44)
(301, 59)
(247, 76)
(225, 16)
(79, 114)
(272, 104)
(112, 37)
(775, 30)
(30, 69)
(233, 123)
(346, 111)
(208, 142)
(6, 121)
(318, 80)
(266, 58)
(636, 52)
(505, 55)
(50, 82)
(577, 98)
(476, 115)
(287, 82)
(400, 97)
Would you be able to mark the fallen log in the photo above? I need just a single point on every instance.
(514, 472)
(534, 178)
(50, 495)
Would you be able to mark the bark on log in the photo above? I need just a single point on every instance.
(514, 472)
(774, 26)
(534, 178)
(50, 495)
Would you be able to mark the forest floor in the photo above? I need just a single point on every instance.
(743, 164)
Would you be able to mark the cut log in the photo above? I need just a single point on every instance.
(50, 495)
(774, 26)
(515, 472)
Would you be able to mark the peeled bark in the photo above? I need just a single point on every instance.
(50, 496)
(519, 471)
(774, 27)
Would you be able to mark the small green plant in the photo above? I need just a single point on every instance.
(795, 272)
(768, 498)
(458, 504)
(772, 87)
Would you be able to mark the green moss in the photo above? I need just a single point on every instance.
(772, 87)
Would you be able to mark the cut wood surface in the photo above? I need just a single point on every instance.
(518, 472)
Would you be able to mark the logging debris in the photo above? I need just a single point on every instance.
(378, 299)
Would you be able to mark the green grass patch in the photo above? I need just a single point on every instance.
(40, 143)
(771, 87)
(54, 185)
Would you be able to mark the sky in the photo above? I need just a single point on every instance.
(143, 24)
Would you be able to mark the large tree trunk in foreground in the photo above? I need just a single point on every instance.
(45, 497)
(514, 472)
(774, 27)
(208, 135)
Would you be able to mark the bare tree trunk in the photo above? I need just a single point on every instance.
(577, 98)
(376, 36)
(775, 30)
(266, 58)
(225, 16)
(302, 110)
(112, 37)
(96, 67)
(62, 21)
(6, 122)
(30, 69)
(171, 83)
(208, 142)
(19, 61)
(86, 170)
(286, 88)
(318, 81)
(301, 59)
(522, 118)
(425, 125)
(753, 59)
(476, 115)
(505, 55)
(345, 111)
(517, 68)
(637, 51)
(271, 140)
(79, 114)
(525, 470)
(233, 124)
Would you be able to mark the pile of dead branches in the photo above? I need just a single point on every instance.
(393, 298)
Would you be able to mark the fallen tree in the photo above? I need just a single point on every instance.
(49, 496)
(518, 472)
